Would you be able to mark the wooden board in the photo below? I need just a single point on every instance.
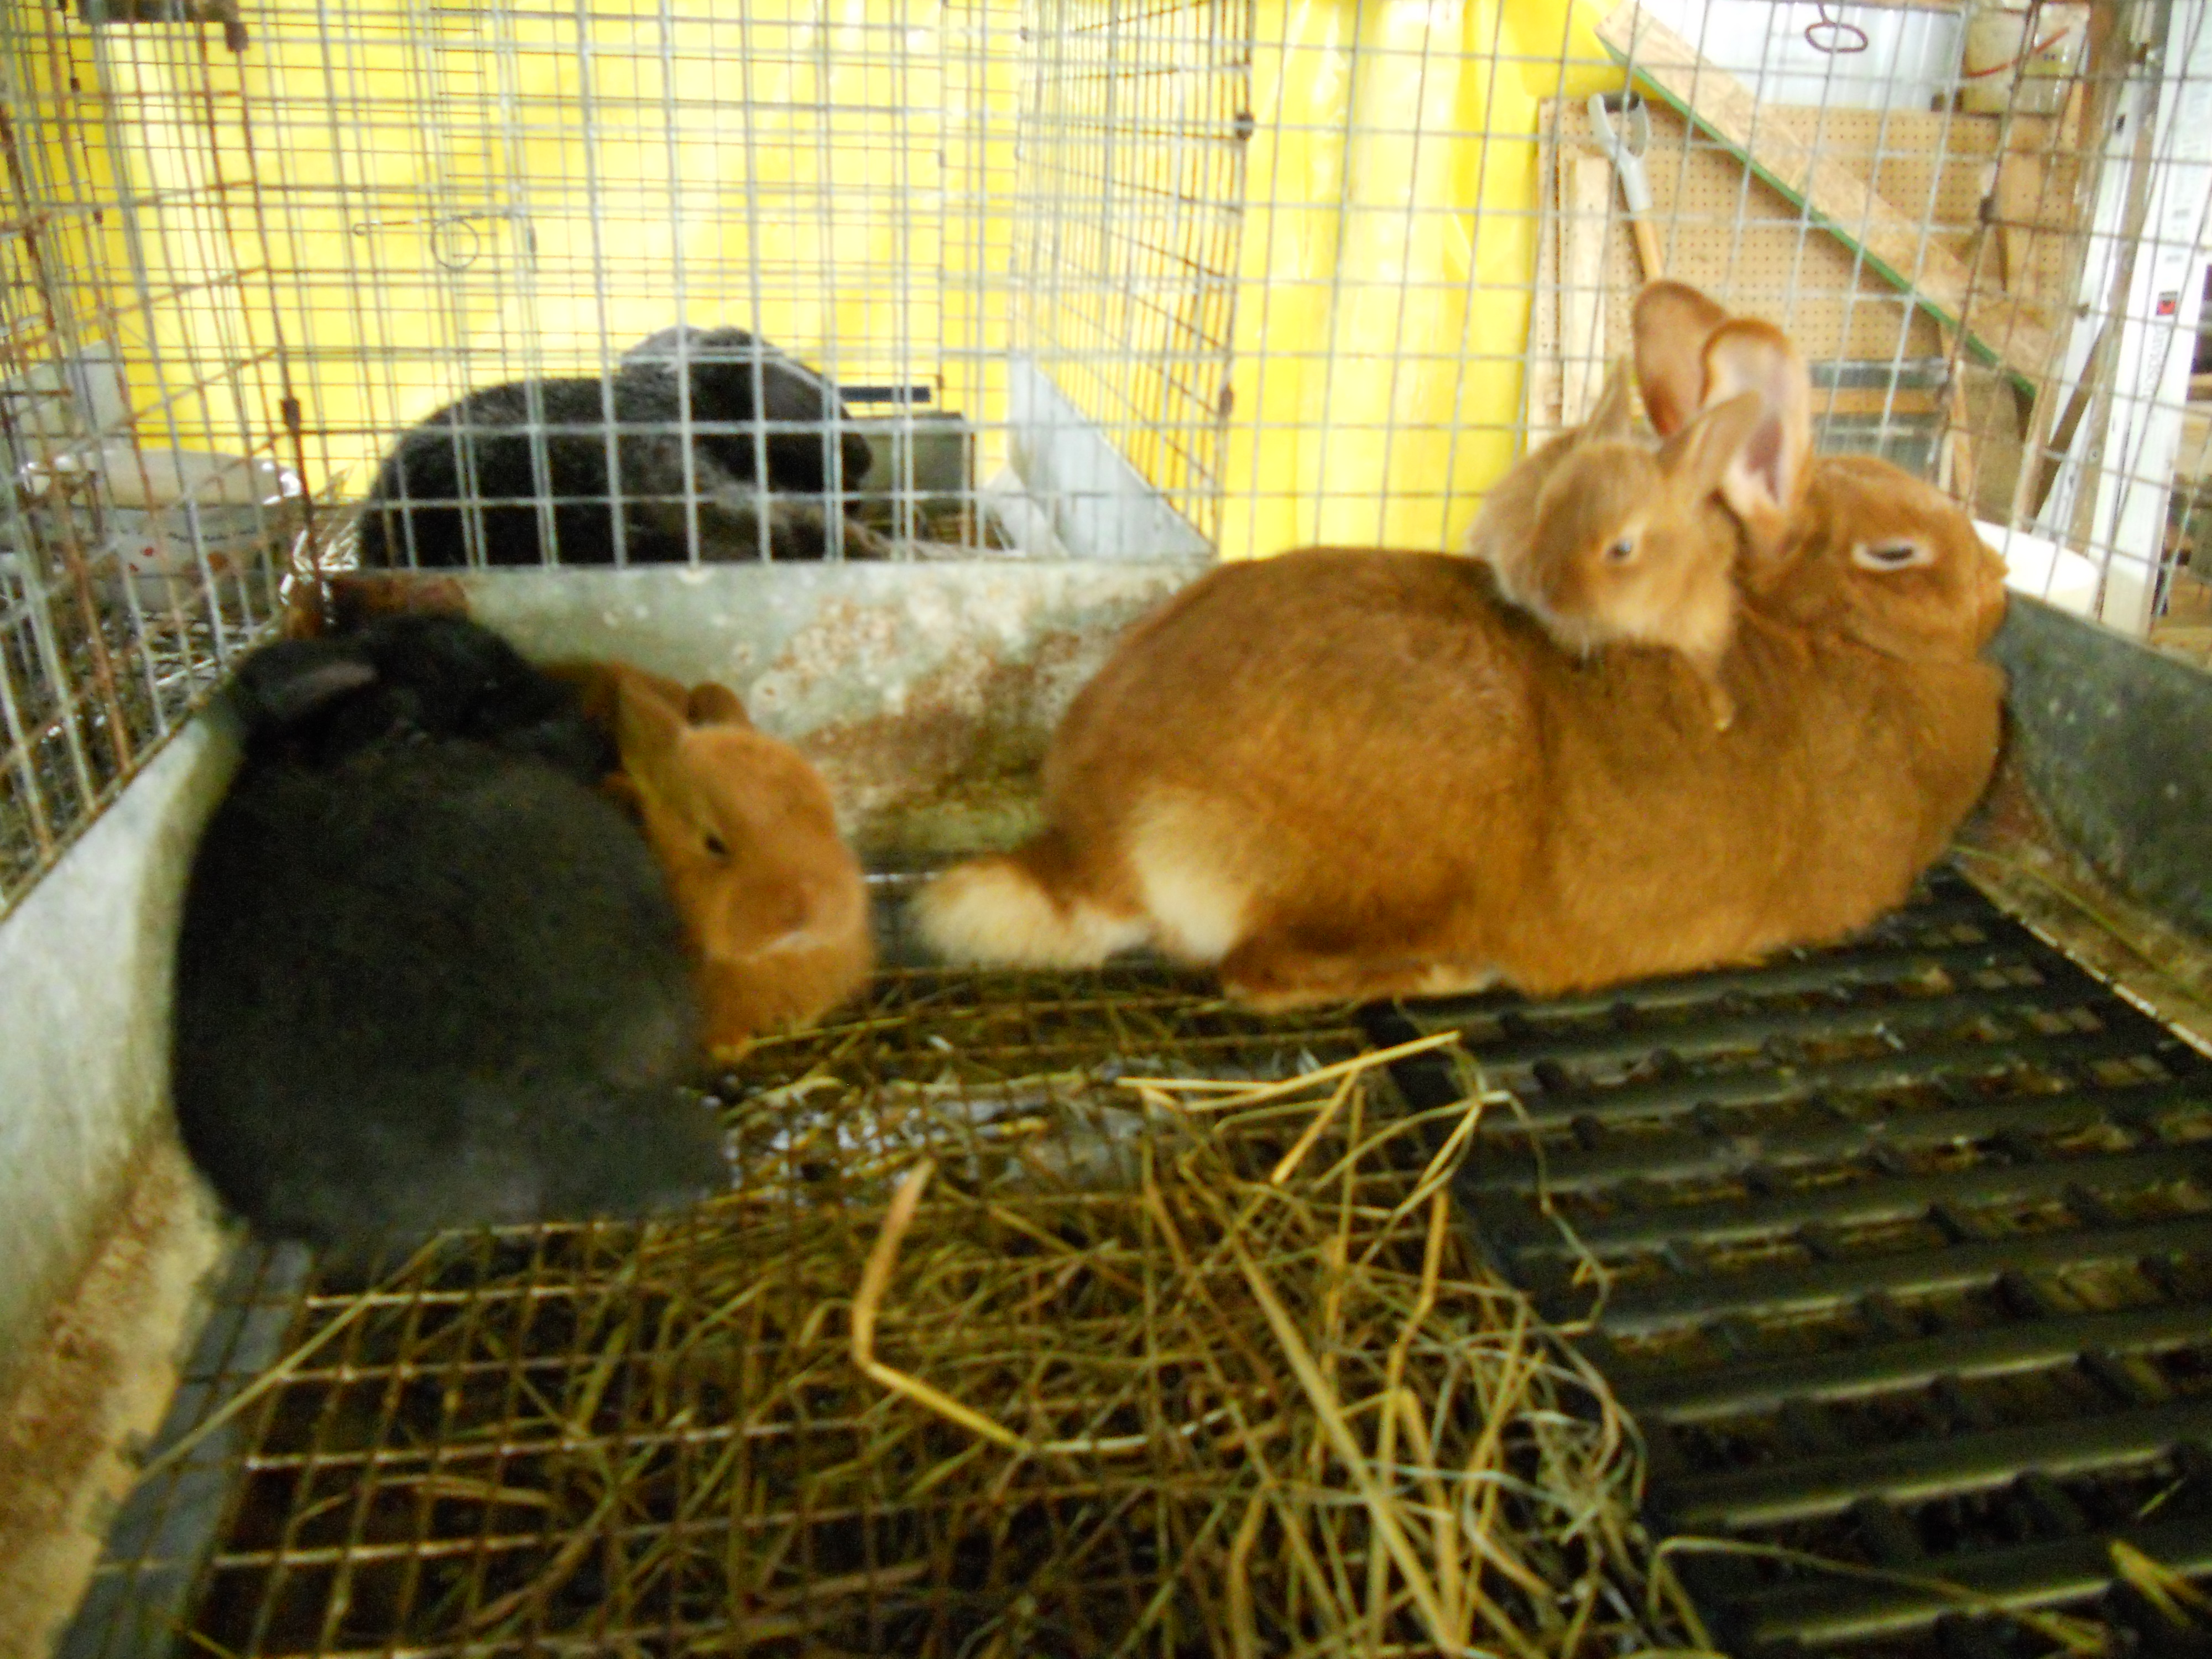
(1790, 153)
(1540, 384)
(2193, 460)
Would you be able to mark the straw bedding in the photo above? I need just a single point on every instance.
(1091, 1360)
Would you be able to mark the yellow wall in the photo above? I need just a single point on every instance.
(1389, 254)
(136, 251)
(1379, 318)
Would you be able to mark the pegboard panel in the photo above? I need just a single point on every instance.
(1721, 229)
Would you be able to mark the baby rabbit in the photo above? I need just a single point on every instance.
(1607, 540)
(431, 984)
(411, 675)
(471, 469)
(1344, 774)
(1631, 546)
(1507, 519)
(775, 911)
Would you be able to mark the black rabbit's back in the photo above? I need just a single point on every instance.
(478, 468)
(440, 883)
(411, 986)
(723, 363)
(405, 677)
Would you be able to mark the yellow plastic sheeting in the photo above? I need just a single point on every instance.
(1388, 254)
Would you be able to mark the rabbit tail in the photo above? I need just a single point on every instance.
(1026, 908)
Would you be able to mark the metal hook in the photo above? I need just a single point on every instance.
(456, 241)
(1630, 140)
(1830, 35)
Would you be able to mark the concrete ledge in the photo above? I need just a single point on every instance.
(2115, 741)
(925, 693)
(86, 959)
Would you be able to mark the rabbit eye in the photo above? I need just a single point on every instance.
(1621, 551)
(716, 847)
(1891, 555)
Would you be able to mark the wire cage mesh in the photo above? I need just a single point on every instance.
(147, 506)
(1090, 280)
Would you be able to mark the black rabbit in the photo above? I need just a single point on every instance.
(411, 675)
(472, 469)
(424, 981)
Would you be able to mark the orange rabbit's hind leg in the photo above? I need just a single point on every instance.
(1270, 973)
(1191, 873)
(1717, 700)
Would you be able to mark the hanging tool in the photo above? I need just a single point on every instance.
(1625, 145)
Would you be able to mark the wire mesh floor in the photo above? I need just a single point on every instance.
(433, 1467)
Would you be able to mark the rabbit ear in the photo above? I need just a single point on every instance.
(1699, 458)
(621, 788)
(1763, 483)
(1612, 417)
(283, 684)
(668, 776)
(710, 704)
(1672, 323)
(647, 727)
(595, 683)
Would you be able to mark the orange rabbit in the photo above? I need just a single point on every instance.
(1608, 539)
(1632, 546)
(1340, 773)
(1507, 519)
(774, 907)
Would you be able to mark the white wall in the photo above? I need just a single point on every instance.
(1911, 56)
(85, 977)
